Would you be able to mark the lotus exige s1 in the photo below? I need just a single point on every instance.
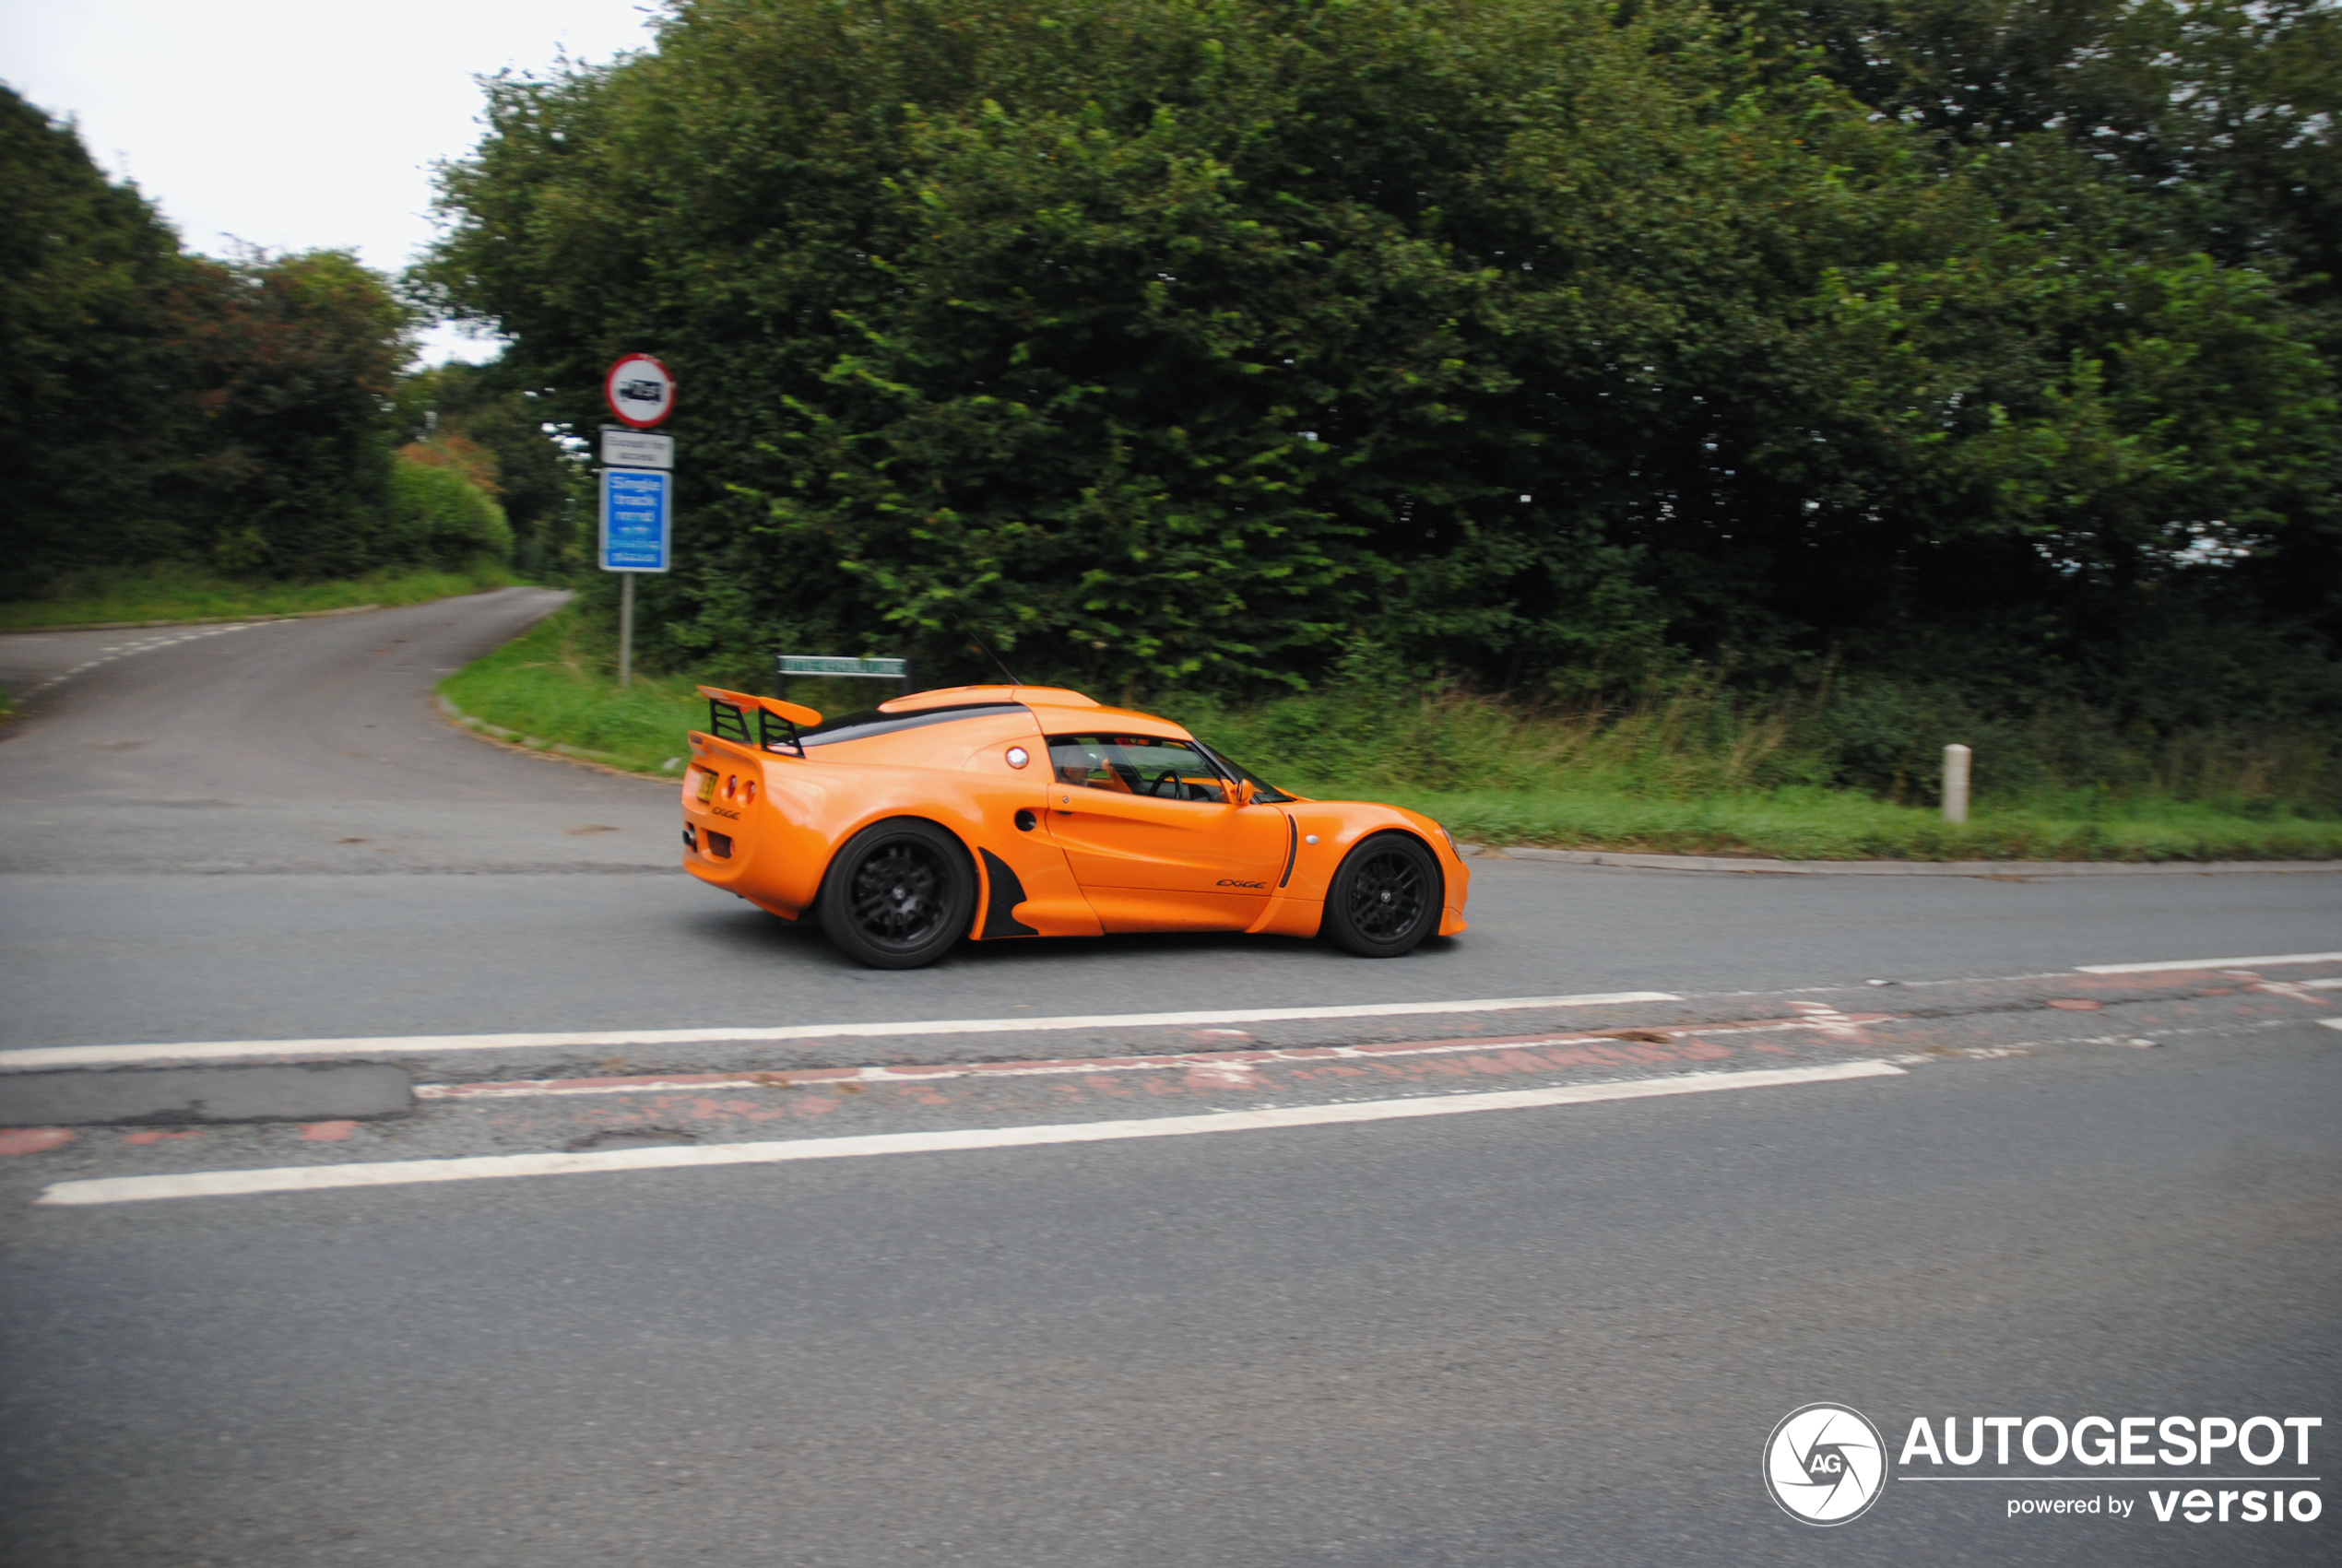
(997, 811)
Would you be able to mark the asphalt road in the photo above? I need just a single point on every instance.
(1533, 1335)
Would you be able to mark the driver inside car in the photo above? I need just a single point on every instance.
(1165, 769)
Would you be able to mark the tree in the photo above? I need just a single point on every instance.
(1167, 341)
(86, 266)
(2223, 112)
(234, 415)
(476, 417)
(293, 361)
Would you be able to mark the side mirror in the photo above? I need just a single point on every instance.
(1244, 792)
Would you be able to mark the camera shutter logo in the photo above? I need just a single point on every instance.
(1825, 1464)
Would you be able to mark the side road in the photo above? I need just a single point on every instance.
(287, 746)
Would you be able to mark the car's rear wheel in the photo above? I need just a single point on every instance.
(898, 895)
(1385, 898)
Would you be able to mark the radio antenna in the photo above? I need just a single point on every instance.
(987, 652)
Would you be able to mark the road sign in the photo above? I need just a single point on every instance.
(640, 391)
(638, 519)
(638, 448)
(786, 666)
(823, 664)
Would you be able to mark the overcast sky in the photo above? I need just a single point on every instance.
(294, 125)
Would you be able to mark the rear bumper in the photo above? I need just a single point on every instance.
(742, 842)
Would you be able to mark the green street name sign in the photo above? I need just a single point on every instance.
(822, 664)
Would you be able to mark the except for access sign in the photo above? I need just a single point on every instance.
(640, 391)
(638, 448)
(638, 519)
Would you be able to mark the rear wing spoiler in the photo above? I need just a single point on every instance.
(777, 722)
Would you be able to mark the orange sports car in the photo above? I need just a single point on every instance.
(997, 811)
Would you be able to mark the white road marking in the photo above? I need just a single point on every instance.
(124, 650)
(405, 1044)
(2262, 962)
(406, 1172)
(2331, 1022)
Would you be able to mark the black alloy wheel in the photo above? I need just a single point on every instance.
(898, 895)
(1386, 897)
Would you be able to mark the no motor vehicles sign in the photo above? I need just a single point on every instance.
(640, 391)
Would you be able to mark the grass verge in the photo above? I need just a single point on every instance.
(1654, 783)
(1801, 822)
(556, 683)
(175, 593)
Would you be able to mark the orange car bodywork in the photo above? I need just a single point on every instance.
(1052, 859)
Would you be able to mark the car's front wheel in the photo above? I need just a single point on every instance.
(898, 895)
(1385, 898)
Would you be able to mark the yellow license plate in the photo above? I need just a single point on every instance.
(706, 786)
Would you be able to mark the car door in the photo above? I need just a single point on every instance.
(1155, 836)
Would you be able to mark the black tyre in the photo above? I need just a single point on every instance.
(898, 895)
(1386, 898)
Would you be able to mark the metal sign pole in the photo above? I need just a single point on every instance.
(625, 630)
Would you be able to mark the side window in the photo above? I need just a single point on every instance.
(1136, 764)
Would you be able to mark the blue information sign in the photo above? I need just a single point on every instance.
(638, 519)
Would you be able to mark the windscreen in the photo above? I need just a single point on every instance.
(1262, 791)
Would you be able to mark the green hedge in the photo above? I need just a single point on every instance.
(435, 514)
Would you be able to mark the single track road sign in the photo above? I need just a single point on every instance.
(638, 519)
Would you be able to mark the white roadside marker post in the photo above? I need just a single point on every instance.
(1956, 759)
